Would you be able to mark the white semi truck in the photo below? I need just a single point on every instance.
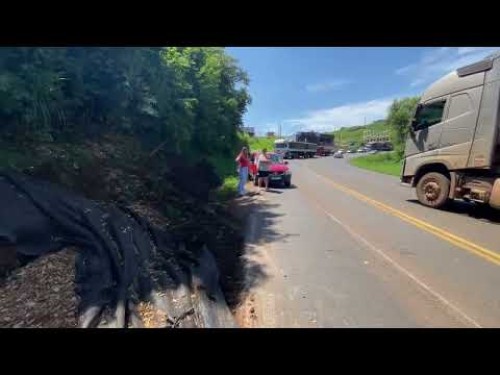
(453, 149)
(295, 150)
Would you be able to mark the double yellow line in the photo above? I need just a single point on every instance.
(462, 243)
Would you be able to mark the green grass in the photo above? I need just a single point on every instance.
(387, 163)
(353, 136)
(229, 188)
(225, 167)
(258, 143)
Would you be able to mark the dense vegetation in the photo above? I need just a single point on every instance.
(188, 101)
(153, 129)
(133, 125)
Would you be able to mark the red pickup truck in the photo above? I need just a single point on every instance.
(279, 171)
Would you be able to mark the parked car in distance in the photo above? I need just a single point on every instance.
(339, 154)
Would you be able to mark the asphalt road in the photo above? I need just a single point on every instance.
(345, 247)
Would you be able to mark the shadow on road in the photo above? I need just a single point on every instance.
(474, 210)
(281, 190)
(274, 191)
(242, 263)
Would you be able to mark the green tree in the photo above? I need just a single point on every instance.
(400, 114)
(190, 100)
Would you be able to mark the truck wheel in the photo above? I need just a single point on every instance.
(433, 189)
(288, 183)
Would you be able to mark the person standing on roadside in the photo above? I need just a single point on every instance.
(263, 168)
(243, 164)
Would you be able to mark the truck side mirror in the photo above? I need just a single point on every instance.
(412, 128)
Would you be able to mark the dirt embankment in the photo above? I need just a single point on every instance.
(42, 293)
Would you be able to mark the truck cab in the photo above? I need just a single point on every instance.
(453, 147)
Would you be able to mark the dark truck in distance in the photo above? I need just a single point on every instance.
(453, 149)
(305, 145)
(324, 141)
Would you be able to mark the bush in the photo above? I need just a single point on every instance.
(164, 104)
(191, 98)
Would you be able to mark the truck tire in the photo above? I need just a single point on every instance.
(288, 183)
(433, 189)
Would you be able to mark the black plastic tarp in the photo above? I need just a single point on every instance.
(122, 259)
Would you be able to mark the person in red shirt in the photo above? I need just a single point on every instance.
(243, 164)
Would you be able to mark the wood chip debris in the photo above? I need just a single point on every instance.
(151, 317)
(41, 294)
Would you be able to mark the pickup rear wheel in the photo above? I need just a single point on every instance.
(433, 189)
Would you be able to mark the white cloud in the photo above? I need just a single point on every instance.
(438, 62)
(327, 86)
(466, 50)
(344, 115)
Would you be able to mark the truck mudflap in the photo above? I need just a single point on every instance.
(495, 195)
(405, 180)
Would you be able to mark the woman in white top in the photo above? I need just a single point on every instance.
(263, 167)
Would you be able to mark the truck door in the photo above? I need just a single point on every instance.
(458, 130)
(427, 126)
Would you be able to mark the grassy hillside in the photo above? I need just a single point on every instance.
(258, 143)
(354, 135)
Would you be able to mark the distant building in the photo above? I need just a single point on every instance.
(250, 130)
(270, 134)
(376, 136)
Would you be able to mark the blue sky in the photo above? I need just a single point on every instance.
(311, 88)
